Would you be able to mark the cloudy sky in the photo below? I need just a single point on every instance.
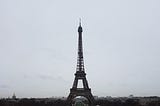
(38, 46)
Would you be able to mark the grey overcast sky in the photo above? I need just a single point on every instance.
(38, 46)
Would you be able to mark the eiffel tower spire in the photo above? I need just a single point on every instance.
(80, 61)
(80, 75)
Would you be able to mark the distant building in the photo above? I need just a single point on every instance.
(14, 96)
(130, 96)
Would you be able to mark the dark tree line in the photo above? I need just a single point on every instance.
(128, 102)
(32, 102)
(59, 102)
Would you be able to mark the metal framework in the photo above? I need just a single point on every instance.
(80, 75)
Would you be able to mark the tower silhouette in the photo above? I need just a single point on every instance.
(80, 74)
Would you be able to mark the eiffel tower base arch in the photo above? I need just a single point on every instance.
(81, 92)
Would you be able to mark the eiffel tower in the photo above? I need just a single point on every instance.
(80, 74)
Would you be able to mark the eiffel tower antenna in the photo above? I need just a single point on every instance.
(80, 75)
(79, 21)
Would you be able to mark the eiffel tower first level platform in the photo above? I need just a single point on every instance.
(80, 74)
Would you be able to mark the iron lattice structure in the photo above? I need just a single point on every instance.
(80, 74)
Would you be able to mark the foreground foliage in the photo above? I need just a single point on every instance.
(62, 102)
